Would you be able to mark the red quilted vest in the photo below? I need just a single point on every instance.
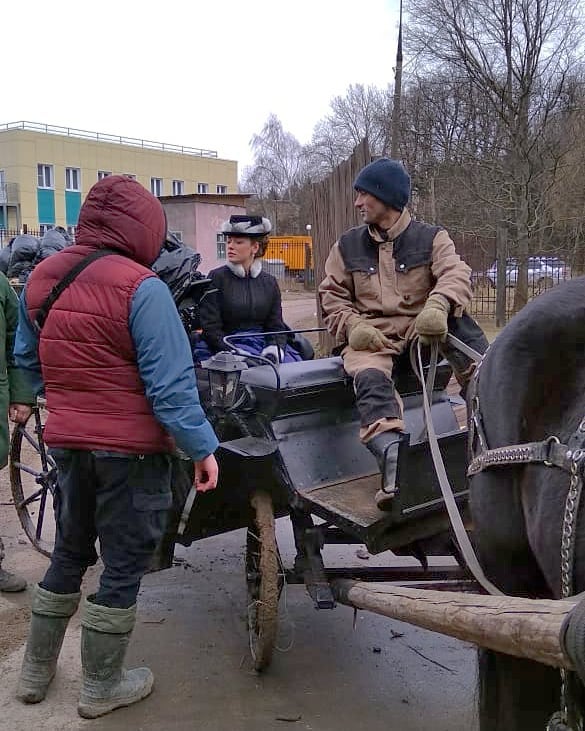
(95, 396)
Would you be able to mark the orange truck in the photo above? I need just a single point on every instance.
(290, 250)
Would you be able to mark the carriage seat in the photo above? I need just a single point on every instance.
(328, 371)
(299, 374)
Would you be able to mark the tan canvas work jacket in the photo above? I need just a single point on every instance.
(387, 282)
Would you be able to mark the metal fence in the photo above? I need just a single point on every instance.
(7, 234)
(497, 273)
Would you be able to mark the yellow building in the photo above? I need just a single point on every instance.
(46, 171)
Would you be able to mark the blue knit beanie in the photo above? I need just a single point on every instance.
(386, 180)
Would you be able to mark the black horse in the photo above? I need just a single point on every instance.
(531, 386)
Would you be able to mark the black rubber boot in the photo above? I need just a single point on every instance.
(106, 684)
(384, 447)
(50, 616)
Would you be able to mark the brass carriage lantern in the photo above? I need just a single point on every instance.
(223, 372)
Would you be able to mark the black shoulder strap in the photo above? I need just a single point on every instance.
(59, 288)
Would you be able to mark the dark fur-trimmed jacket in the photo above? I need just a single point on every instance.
(386, 280)
(239, 303)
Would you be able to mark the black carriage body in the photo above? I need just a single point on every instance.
(299, 439)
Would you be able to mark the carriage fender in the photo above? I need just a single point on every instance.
(250, 447)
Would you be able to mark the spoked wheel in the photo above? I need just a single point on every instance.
(264, 581)
(33, 477)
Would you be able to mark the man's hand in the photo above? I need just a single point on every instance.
(206, 473)
(19, 413)
(431, 322)
(364, 336)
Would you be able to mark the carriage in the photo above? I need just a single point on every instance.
(289, 447)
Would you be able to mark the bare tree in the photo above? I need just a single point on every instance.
(279, 162)
(516, 54)
(363, 113)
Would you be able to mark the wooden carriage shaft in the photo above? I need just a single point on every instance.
(528, 628)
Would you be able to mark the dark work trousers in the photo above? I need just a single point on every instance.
(119, 499)
(376, 397)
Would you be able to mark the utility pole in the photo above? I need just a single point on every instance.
(397, 94)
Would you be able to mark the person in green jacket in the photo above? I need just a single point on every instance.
(16, 399)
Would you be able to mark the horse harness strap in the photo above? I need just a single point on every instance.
(549, 452)
(457, 524)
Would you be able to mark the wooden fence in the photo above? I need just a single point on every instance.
(333, 213)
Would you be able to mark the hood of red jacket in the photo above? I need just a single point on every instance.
(119, 213)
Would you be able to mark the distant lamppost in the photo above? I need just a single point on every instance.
(308, 278)
(395, 122)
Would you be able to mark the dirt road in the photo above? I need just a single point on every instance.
(191, 631)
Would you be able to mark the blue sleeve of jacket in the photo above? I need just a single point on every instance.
(26, 348)
(166, 367)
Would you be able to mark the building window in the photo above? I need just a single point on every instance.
(72, 179)
(221, 189)
(203, 187)
(221, 242)
(178, 235)
(44, 227)
(103, 174)
(178, 187)
(45, 176)
(156, 186)
(129, 175)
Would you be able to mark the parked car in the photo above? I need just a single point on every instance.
(543, 271)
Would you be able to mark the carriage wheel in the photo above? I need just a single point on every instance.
(33, 476)
(264, 581)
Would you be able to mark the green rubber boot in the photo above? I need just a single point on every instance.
(50, 616)
(106, 684)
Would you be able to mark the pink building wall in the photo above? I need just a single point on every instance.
(199, 219)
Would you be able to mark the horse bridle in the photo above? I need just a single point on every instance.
(551, 452)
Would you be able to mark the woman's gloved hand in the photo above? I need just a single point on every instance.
(431, 322)
(273, 353)
(364, 336)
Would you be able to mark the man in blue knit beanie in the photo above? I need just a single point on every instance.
(386, 282)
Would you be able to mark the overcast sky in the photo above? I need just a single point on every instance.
(201, 73)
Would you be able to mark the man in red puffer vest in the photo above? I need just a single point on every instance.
(115, 365)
